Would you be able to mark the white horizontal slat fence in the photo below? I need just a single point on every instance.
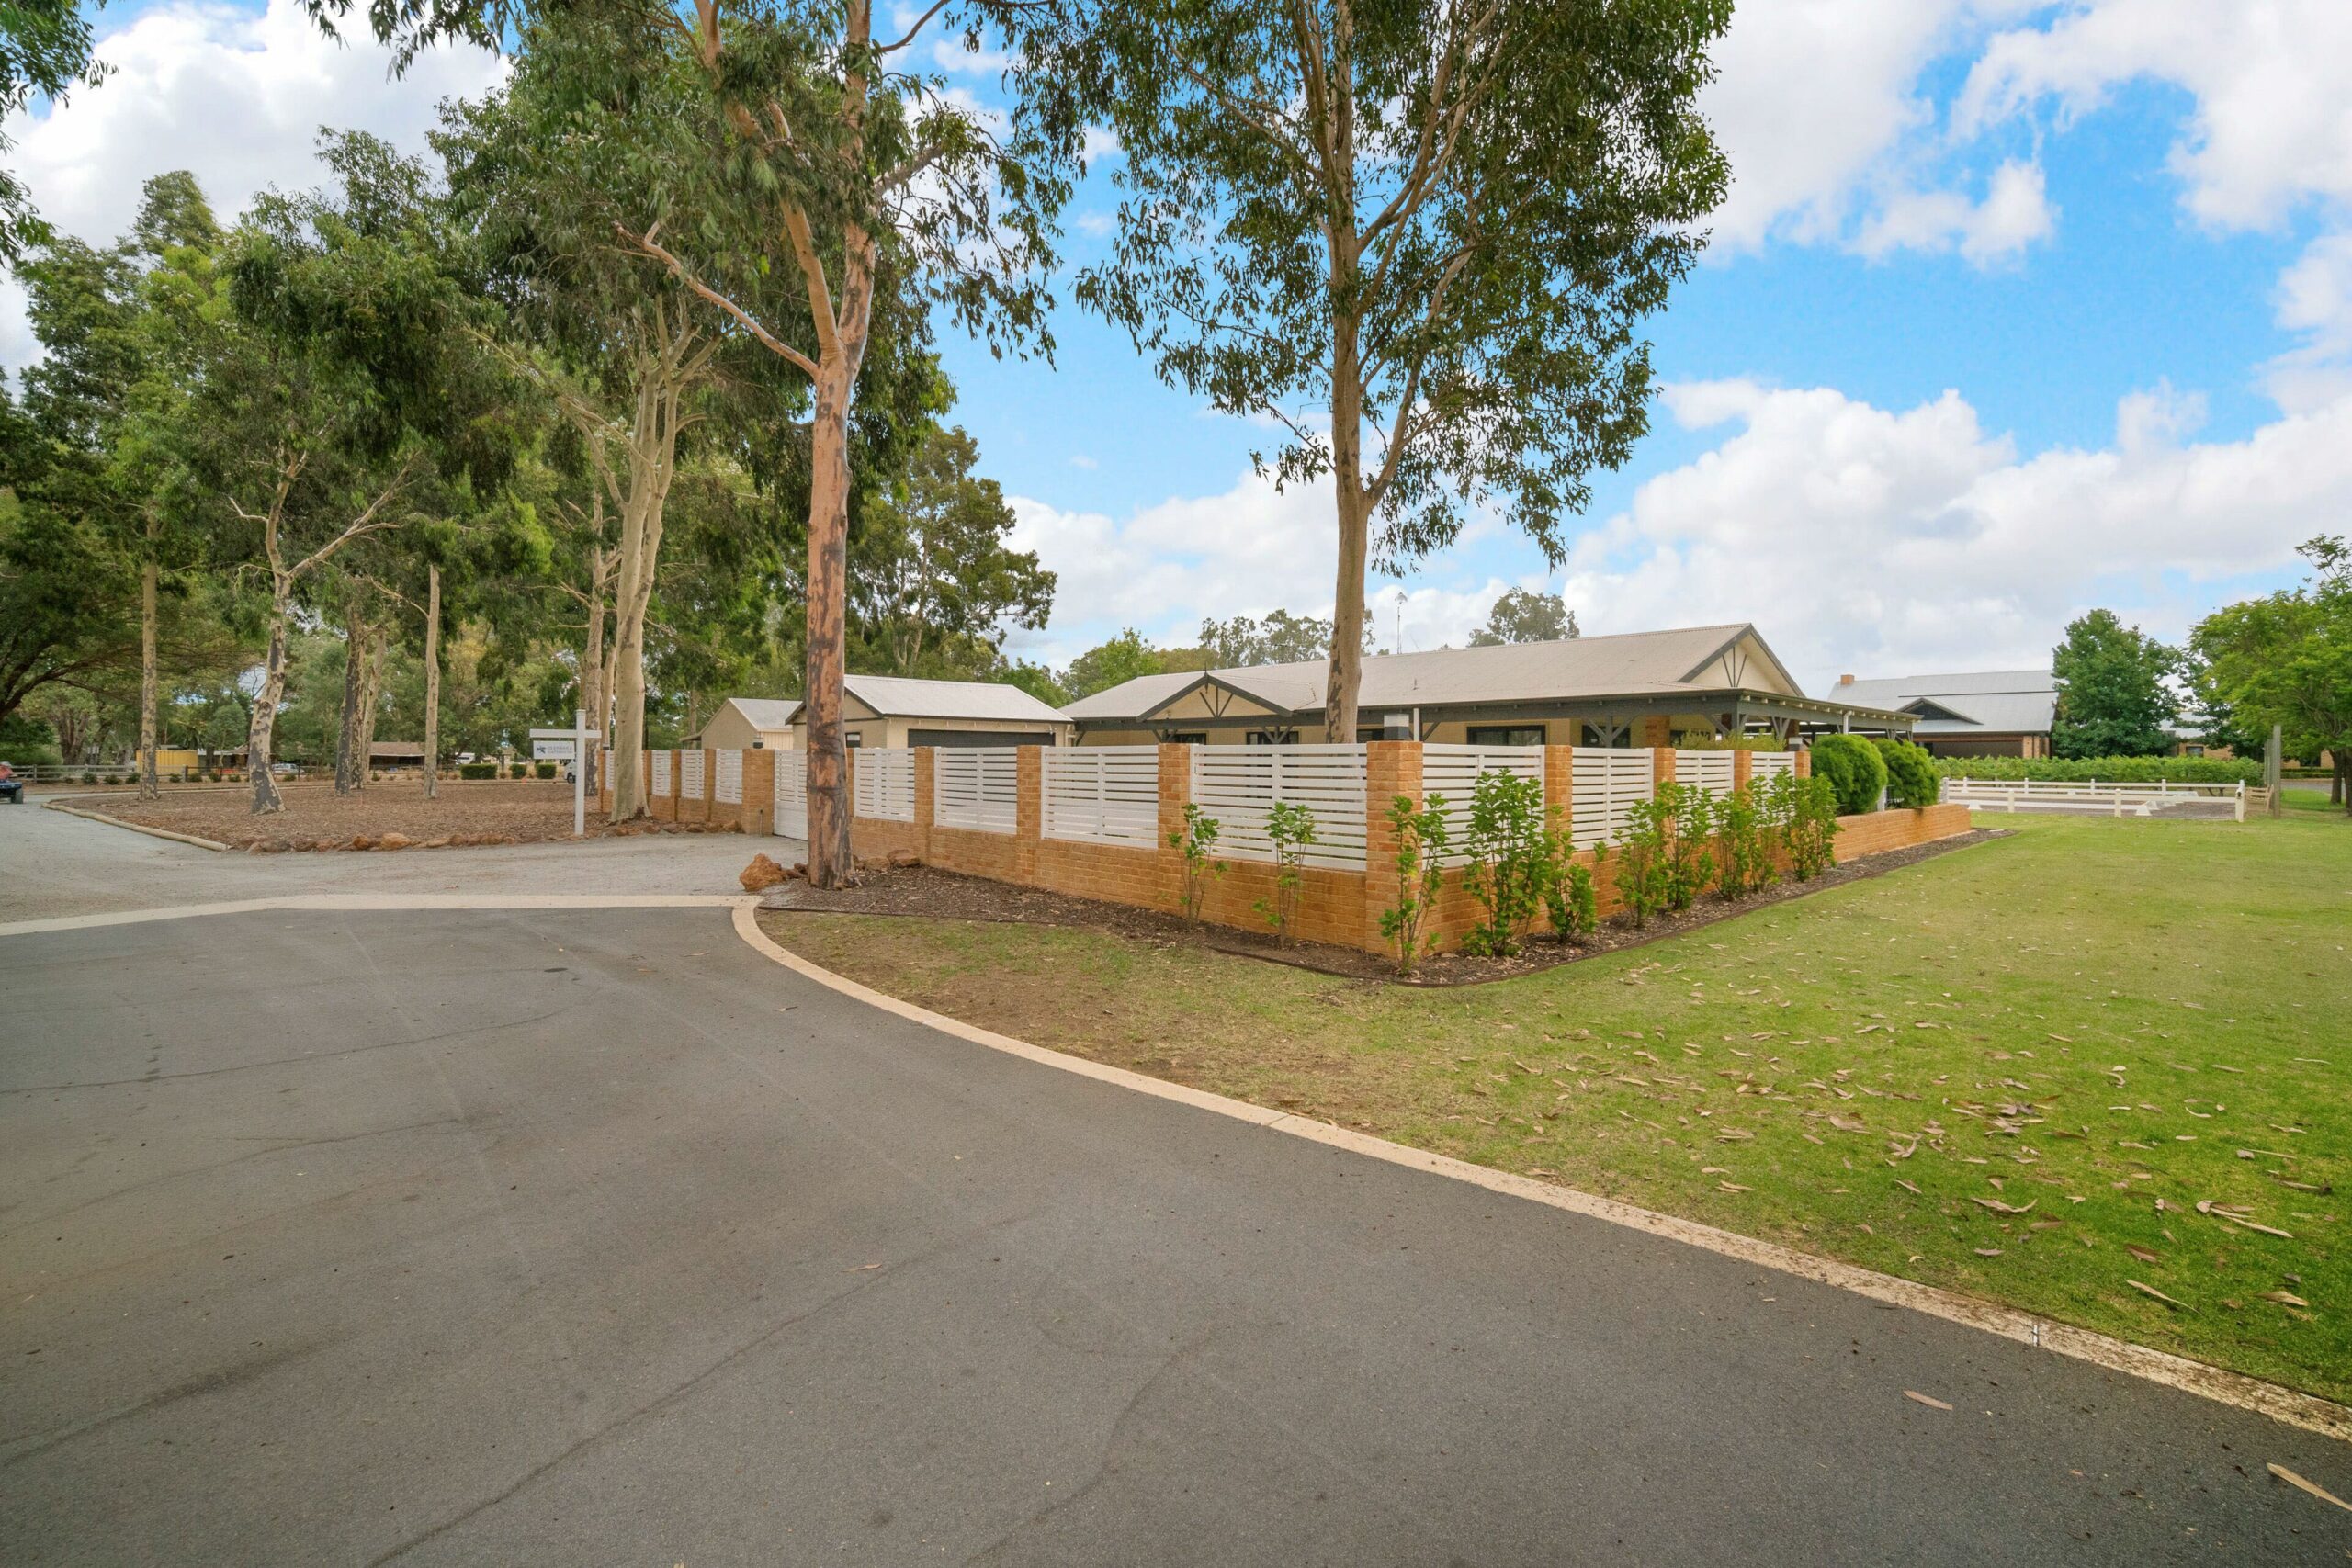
(1452, 772)
(1237, 785)
(886, 784)
(730, 778)
(1708, 771)
(978, 788)
(662, 773)
(1762, 765)
(1605, 786)
(1103, 794)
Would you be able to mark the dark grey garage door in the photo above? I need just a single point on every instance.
(978, 737)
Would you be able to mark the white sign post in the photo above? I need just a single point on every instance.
(568, 746)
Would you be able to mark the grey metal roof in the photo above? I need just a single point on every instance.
(904, 696)
(1627, 664)
(1990, 702)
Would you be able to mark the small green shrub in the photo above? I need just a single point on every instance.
(1745, 839)
(1690, 859)
(1641, 859)
(543, 770)
(1291, 826)
(1854, 769)
(1194, 843)
(477, 770)
(1805, 812)
(1421, 842)
(1911, 777)
(519, 771)
(1572, 890)
(1508, 860)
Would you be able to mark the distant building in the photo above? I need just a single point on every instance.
(1629, 689)
(1999, 712)
(895, 710)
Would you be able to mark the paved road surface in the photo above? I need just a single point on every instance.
(52, 864)
(593, 1237)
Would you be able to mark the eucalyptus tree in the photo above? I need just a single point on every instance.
(1422, 236)
(44, 53)
(830, 159)
(340, 396)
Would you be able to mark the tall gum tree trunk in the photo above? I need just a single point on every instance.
(1353, 503)
(355, 660)
(371, 693)
(272, 690)
(830, 860)
(433, 682)
(149, 786)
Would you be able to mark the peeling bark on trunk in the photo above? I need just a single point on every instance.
(149, 786)
(355, 660)
(433, 682)
(371, 691)
(830, 861)
(273, 691)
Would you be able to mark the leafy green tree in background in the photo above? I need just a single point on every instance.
(2115, 691)
(1422, 237)
(1524, 615)
(1123, 658)
(1281, 638)
(2285, 660)
(936, 585)
(44, 52)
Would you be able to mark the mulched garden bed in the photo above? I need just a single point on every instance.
(468, 812)
(927, 892)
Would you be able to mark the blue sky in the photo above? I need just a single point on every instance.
(2015, 309)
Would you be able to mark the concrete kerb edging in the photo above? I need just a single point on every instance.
(2234, 1388)
(134, 826)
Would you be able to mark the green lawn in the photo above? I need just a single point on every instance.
(2016, 1070)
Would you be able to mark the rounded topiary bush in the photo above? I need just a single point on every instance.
(477, 770)
(1854, 769)
(543, 770)
(1911, 777)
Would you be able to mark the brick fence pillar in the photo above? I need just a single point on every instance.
(1662, 765)
(1175, 790)
(1392, 770)
(1804, 763)
(926, 797)
(1743, 767)
(1028, 811)
(1559, 784)
(759, 790)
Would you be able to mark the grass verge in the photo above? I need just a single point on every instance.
(2015, 1071)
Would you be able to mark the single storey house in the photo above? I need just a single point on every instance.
(896, 710)
(1630, 688)
(1999, 713)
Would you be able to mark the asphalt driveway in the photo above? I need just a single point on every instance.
(592, 1237)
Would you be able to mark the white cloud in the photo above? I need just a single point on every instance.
(237, 97)
(2316, 299)
(2015, 212)
(1080, 460)
(1875, 541)
(2270, 80)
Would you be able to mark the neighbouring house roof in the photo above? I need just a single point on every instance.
(1697, 661)
(764, 713)
(1991, 702)
(413, 750)
(904, 696)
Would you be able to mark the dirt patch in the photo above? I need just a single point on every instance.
(384, 815)
(932, 893)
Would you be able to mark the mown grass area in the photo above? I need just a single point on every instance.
(2017, 1070)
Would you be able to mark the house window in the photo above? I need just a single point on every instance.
(1616, 735)
(1505, 735)
(1189, 738)
(1273, 738)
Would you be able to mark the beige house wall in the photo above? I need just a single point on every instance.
(729, 730)
(864, 727)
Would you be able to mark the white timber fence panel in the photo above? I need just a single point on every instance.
(1240, 784)
(1604, 786)
(692, 785)
(979, 788)
(792, 795)
(730, 778)
(662, 773)
(1707, 771)
(886, 782)
(1103, 794)
(1762, 765)
(1453, 772)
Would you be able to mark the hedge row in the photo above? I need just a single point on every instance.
(2119, 770)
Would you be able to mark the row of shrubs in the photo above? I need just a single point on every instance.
(1860, 769)
(519, 771)
(2113, 770)
(1517, 859)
